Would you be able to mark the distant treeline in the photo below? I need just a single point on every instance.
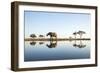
(58, 39)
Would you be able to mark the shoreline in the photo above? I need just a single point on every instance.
(59, 39)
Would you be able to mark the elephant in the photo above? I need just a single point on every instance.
(53, 36)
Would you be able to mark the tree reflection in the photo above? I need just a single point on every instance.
(41, 43)
(33, 43)
(52, 44)
(80, 45)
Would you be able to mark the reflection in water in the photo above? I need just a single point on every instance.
(52, 44)
(61, 50)
(70, 40)
(33, 43)
(41, 43)
(80, 45)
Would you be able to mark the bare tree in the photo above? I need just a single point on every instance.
(80, 33)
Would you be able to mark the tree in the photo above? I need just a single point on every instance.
(41, 36)
(75, 33)
(80, 33)
(33, 35)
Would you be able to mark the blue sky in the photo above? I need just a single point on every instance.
(63, 23)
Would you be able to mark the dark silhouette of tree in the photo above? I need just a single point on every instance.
(75, 33)
(80, 33)
(33, 35)
(41, 36)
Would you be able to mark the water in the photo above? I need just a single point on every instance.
(56, 50)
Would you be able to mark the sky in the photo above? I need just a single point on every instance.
(63, 23)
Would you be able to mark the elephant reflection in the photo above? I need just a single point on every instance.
(52, 44)
(33, 43)
(80, 45)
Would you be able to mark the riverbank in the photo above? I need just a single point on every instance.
(58, 39)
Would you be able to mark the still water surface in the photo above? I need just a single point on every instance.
(56, 50)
